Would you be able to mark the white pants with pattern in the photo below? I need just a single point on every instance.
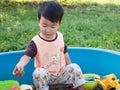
(70, 74)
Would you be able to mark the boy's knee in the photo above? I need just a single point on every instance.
(73, 65)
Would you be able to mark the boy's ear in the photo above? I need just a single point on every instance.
(60, 22)
(38, 19)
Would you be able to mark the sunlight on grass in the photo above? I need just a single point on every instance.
(24, 0)
(28, 0)
(103, 1)
(69, 2)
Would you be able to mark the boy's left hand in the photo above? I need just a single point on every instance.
(18, 71)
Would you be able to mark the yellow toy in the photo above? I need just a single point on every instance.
(109, 82)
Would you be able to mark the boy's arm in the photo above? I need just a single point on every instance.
(67, 58)
(19, 68)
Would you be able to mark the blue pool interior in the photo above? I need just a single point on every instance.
(91, 60)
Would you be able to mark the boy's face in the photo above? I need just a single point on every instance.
(48, 29)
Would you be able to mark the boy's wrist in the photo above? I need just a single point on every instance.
(20, 66)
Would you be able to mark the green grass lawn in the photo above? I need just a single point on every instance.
(84, 25)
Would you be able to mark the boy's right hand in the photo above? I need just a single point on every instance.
(18, 71)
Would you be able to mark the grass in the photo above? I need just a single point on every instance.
(84, 25)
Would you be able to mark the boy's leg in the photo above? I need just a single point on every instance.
(71, 74)
(41, 79)
(80, 87)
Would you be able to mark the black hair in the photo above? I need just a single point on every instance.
(51, 10)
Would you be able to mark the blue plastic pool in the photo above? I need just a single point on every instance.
(91, 60)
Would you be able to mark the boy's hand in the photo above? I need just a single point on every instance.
(18, 71)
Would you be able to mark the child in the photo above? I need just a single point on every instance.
(52, 62)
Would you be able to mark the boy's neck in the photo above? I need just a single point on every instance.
(48, 39)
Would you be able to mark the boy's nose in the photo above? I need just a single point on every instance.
(48, 30)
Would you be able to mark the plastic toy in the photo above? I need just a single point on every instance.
(9, 85)
(91, 83)
(108, 82)
(25, 87)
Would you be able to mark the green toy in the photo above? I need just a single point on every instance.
(9, 85)
(91, 83)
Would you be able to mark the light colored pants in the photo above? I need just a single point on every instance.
(70, 74)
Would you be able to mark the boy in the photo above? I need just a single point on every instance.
(52, 62)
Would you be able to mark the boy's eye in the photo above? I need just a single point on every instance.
(53, 27)
(44, 26)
